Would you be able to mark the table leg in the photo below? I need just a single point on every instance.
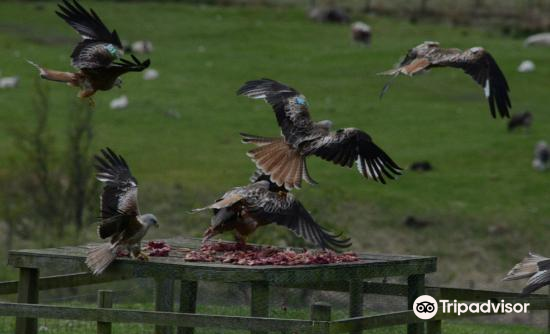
(259, 301)
(164, 301)
(188, 302)
(415, 289)
(356, 300)
(27, 292)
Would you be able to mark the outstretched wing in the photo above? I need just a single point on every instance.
(123, 66)
(537, 281)
(290, 107)
(119, 203)
(346, 146)
(288, 212)
(99, 46)
(482, 67)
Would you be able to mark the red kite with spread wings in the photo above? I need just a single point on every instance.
(97, 57)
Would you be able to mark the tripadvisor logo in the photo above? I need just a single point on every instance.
(425, 307)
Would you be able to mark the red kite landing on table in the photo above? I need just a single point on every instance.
(534, 267)
(284, 158)
(262, 202)
(96, 56)
(476, 62)
(120, 217)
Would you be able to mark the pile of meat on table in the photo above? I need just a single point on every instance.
(249, 255)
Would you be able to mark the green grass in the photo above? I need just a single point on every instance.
(76, 327)
(482, 175)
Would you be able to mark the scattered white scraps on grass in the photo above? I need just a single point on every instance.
(542, 39)
(142, 47)
(361, 32)
(541, 160)
(526, 66)
(172, 113)
(150, 74)
(119, 102)
(9, 82)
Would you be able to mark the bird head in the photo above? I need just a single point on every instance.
(476, 49)
(326, 124)
(300, 100)
(431, 44)
(149, 220)
(114, 51)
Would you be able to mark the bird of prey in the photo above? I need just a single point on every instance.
(476, 62)
(97, 57)
(534, 267)
(244, 209)
(284, 158)
(121, 220)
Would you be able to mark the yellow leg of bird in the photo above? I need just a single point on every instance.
(87, 93)
(241, 239)
(142, 256)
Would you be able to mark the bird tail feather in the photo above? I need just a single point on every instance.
(67, 77)
(100, 257)
(285, 165)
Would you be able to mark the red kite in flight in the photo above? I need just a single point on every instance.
(97, 57)
(284, 158)
(476, 62)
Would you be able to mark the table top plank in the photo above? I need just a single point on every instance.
(71, 259)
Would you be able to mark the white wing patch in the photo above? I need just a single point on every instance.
(487, 88)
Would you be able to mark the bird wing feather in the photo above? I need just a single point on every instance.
(119, 199)
(92, 51)
(482, 67)
(286, 211)
(289, 105)
(346, 146)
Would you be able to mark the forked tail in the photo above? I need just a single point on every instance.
(281, 162)
(100, 257)
(67, 77)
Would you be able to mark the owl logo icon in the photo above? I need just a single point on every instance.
(425, 307)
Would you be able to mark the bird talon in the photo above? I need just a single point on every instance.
(142, 256)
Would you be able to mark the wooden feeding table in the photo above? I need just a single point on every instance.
(69, 262)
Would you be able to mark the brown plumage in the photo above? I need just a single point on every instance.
(476, 62)
(284, 158)
(97, 57)
(534, 267)
(243, 209)
(121, 220)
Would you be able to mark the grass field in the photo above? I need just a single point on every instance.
(482, 179)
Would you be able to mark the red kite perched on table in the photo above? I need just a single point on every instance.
(244, 209)
(97, 57)
(476, 62)
(120, 217)
(284, 158)
(534, 267)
